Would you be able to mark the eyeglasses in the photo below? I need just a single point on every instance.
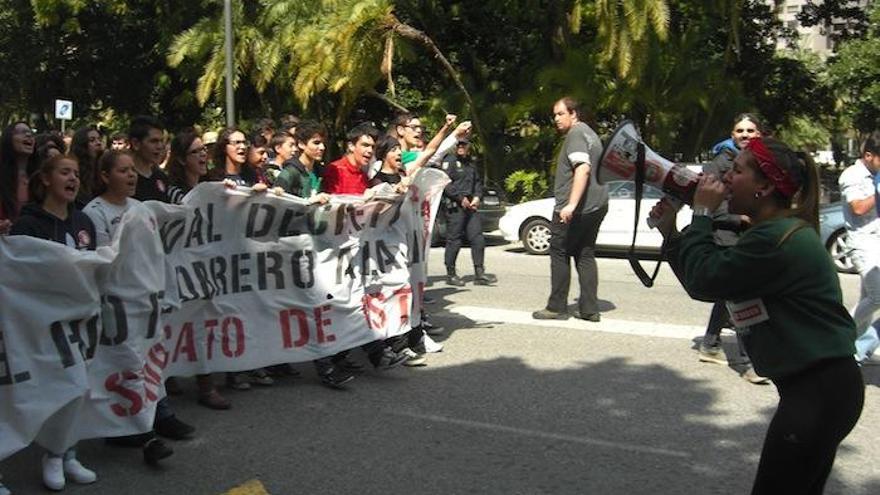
(25, 132)
(199, 151)
(416, 127)
(237, 142)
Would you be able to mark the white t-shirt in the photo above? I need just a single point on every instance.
(857, 183)
(106, 217)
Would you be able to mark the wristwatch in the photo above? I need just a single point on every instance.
(702, 211)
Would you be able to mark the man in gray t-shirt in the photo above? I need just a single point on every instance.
(581, 147)
(581, 204)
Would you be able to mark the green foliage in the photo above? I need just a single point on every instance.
(855, 76)
(679, 68)
(803, 133)
(626, 29)
(525, 185)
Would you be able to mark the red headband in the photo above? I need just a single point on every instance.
(780, 178)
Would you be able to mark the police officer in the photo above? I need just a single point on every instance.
(461, 199)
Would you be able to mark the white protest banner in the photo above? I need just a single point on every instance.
(61, 365)
(246, 280)
(123, 391)
(263, 279)
(47, 291)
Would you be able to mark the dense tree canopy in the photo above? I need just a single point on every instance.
(680, 68)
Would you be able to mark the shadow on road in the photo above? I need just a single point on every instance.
(484, 426)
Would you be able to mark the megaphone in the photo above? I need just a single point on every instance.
(620, 160)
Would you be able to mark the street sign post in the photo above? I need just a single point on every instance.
(63, 111)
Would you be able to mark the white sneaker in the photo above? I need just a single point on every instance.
(431, 346)
(53, 472)
(79, 473)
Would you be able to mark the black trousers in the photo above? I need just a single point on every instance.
(576, 240)
(461, 223)
(817, 409)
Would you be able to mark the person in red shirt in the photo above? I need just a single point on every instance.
(348, 175)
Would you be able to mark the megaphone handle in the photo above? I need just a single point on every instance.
(652, 222)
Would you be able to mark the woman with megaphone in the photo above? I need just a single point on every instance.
(785, 299)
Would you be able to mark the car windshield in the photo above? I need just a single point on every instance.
(627, 189)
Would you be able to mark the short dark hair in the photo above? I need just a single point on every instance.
(872, 143)
(141, 125)
(308, 128)
(364, 129)
(258, 141)
(400, 120)
(385, 145)
(119, 136)
(572, 105)
(288, 121)
(264, 124)
(278, 139)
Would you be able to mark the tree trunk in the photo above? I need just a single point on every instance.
(387, 100)
(414, 34)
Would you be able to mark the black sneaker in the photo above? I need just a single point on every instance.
(546, 314)
(284, 369)
(594, 317)
(173, 428)
(483, 278)
(454, 280)
(431, 329)
(335, 378)
(155, 450)
(130, 440)
(347, 365)
(388, 359)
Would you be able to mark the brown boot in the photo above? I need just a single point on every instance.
(208, 394)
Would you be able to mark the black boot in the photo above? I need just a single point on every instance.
(452, 278)
(483, 278)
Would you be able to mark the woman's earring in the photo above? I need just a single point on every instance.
(757, 195)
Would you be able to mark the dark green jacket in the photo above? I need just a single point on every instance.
(782, 262)
(297, 180)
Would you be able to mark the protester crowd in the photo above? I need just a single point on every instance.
(755, 209)
(74, 189)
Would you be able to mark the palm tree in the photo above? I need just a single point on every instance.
(624, 32)
(344, 47)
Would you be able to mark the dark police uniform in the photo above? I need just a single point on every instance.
(460, 221)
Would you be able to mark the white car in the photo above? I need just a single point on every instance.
(529, 222)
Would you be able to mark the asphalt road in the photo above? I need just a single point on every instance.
(508, 407)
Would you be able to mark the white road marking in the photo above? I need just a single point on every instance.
(483, 315)
(642, 449)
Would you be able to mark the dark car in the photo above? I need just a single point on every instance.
(492, 207)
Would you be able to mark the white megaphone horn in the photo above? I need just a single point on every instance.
(620, 161)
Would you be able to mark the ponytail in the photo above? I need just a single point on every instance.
(805, 202)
